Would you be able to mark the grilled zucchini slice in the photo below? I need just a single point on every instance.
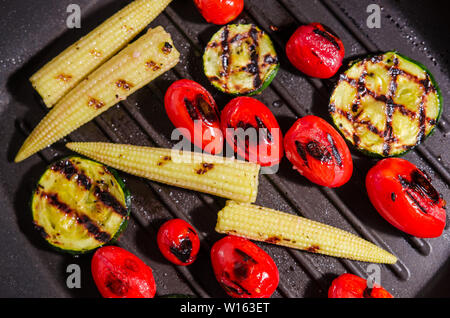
(386, 104)
(79, 205)
(240, 59)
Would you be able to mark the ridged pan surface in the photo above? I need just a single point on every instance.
(36, 31)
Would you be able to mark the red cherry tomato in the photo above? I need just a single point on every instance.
(178, 242)
(243, 269)
(219, 11)
(405, 197)
(252, 130)
(315, 51)
(318, 152)
(120, 274)
(192, 109)
(352, 286)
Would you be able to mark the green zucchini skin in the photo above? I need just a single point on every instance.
(240, 60)
(119, 185)
(416, 73)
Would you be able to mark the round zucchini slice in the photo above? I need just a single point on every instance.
(386, 104)
(240, 59)
(79, 205)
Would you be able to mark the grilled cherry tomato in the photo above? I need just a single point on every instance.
(315, 51)
(318, 152)
(192, 109)
(178, 242)
(243, 269)
(405, 197)
(220, 11)
(120, 274)
(252, 130)
(352, 286)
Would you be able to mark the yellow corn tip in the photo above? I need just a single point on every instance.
(272, 226)
(224, 177)
(67, 69)
(133, 67)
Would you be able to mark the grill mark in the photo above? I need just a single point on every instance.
(254, 56)
(225, 50)
(302, 152)
(121, 83)
(81, 219)
(318, 152)
(183, 251)
(245, 256)
(207, 111)
(334, 150)
(68, 169)
(64, 77)
(167, 48)
(260, 125)
(205, 167)
(191, 109)
(327, 36)
(110, 201)
(95, 103)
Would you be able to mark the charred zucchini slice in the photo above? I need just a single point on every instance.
(240, 59)
(79, 205)
(386, 104)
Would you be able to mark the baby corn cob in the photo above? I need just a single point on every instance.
(66, 70)
(267, 225)
(224, 177)
(133, 67)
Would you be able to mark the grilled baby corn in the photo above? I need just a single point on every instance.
(267, 225)
(133, 67)
(224, 177)
(66, 70)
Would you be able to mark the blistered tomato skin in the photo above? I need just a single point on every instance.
(243, 269)
(178, 242)
(220, 11)
(318, 152)
(120, 274)
(405, 197)
(192, 109)
(352, 286)
(315, 51)
(252, 130)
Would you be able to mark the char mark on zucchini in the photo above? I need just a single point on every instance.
(110, 201)
(390, 96)
(240, 59)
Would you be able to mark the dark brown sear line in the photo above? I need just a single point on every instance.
(191, 109)
(110, 201)
(183, 251)
(206, 110)
(254, 56)
(82, 219)
(68, 169)
(334, 150)
(302, 152)
(327, 37)
(260, 125)
(225, 50)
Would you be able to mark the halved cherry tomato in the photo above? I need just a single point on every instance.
(315, 51)
(192, 109)
(318, 152)
(405, 197)
(121, 274)
(352, 286)
(178, 242)
(220, 11)
(252, 130)
(243, 269)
